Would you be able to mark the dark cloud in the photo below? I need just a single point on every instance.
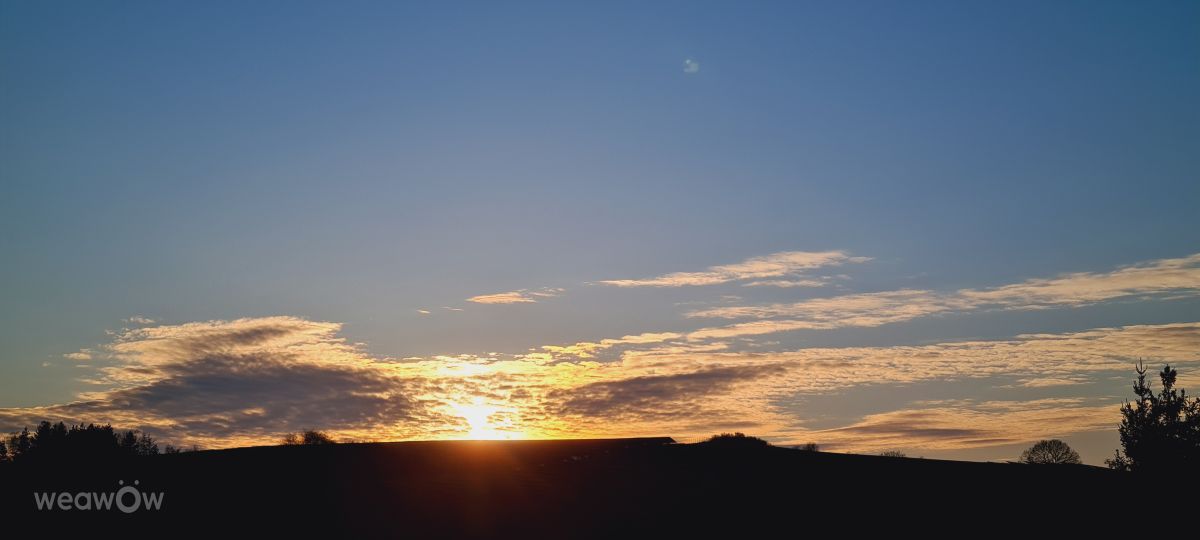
(236, 396)
(651, 396)
(246, 381)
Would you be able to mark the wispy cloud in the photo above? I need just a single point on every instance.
(1180, 277)
(523, 296)
(758, 268)
(1167, 278)
(514, 297)
(866, 309)
(586, 349)
(787, 283)
(665, 396)
(969, 425)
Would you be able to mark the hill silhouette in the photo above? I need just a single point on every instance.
(570, 488)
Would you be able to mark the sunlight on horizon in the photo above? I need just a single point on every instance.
(479, 416)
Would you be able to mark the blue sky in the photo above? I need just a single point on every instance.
(356, 163)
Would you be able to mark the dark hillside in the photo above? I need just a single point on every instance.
(564, 489)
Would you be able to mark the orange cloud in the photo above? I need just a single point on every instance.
(769, 266)
(523, 296)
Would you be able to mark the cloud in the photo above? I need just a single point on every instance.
(656, 396)
(138, 319)
(81, 355)
(1170, 278)
(248, 381)
(691, 66)
(655, 389)
(786, 283)
(514, 297)
(1179, 277)
(586, 349)
(769, 266)
(523, 296)
(966, 426)
(1048, 382)
(423, 311)
(1032, 356)
(857, 310)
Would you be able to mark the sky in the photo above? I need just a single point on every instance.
(944, 228)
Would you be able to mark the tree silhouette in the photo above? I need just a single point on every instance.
(49, 439)
(146, 446)
(734, 440)
(1050, 452)
(91, 442)
(893, 453)
(19, 444)
(1159, 432)
(308, 437)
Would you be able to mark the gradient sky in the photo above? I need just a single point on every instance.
(840, 222)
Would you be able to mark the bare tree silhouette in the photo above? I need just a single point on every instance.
(1050, 452)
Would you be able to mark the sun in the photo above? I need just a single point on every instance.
(479, 416)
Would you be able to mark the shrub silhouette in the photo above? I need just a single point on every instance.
(308, 437)
(893, 453)
(1050, 452)
(1158, 432)
(735, 440)
(809, 447)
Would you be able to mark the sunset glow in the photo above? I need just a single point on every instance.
(481, 419)
(944, 230)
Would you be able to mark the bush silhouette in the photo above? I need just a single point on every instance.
(1159, 432)
(809, 447)
(308, 437)
(1050, 452)
(893, 453)
(735, 440)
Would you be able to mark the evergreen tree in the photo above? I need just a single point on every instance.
(1159, 432)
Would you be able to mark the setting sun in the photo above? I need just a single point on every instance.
(479, 416)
